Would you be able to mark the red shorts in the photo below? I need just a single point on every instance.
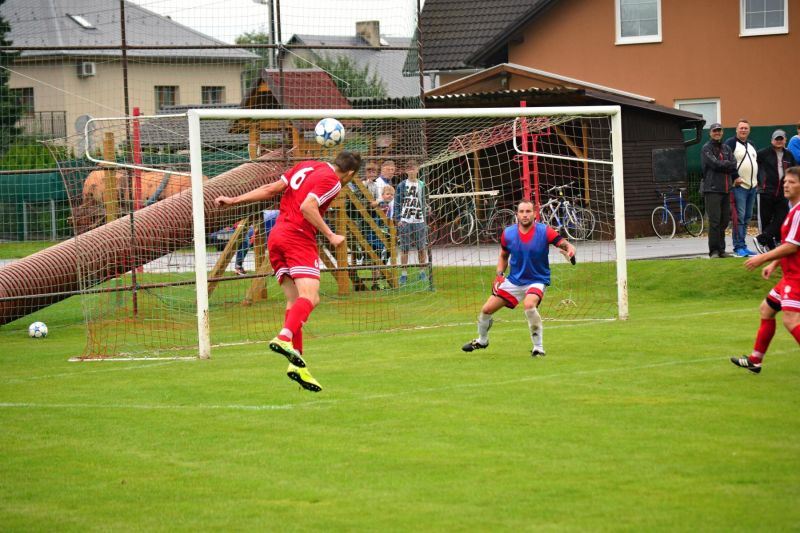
(295, 256)
(786, 294)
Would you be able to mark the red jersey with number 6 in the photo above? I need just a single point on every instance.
(307, 178)
(790, 232)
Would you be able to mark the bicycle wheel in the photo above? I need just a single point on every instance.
(462, 227)
(552, 220)
(693, 220)
(663, 223)
(579, 224)
(499, 220)
(585, 219)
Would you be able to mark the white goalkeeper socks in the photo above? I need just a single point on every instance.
(535, 326)
(484, 324)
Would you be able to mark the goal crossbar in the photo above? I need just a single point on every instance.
(196, 116)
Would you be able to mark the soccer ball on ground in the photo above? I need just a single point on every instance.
(37, 330)
(329, 132)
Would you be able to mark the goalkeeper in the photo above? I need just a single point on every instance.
(524, 247)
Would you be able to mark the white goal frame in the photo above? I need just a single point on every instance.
(195, 116)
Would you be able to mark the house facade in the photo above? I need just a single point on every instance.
(725, 59)
(71, 63)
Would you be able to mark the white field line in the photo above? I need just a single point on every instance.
(361, 399)
(161, 362)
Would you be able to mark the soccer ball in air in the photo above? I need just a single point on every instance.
(329, 132)
(37, 330)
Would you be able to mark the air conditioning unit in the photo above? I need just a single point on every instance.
(86, 69)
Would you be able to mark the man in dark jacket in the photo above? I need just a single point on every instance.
(718, 164)
(772, 206)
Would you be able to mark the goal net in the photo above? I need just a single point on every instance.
(171, 273)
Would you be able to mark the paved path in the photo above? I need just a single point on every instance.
(591, 251)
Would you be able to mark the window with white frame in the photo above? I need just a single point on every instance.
(763, 17)
(708, 107)
(638, 21)
(166, 95)
(212, 94)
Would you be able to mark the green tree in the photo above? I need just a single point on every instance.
(352, 81)
(9, 110)
(252, 70)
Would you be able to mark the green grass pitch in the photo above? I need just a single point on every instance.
(640, 425)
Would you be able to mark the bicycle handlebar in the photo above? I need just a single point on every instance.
(671, 190)
(560, 188)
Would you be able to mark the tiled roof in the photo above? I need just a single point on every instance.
(453, 31)
(305, 89)
(47, 23)
(298, 89)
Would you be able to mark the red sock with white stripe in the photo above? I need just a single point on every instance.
(796, 334)
(296, 338)
(295, 318)
(764, 336)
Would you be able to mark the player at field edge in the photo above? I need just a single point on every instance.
(785, 296)
(524, 246)
(308, 189)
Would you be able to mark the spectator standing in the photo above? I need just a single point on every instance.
(745, 185)
(373, 181)
(387, 202)
(409, 215)
(389, 173)
(772, 206)
(718, 165)
(794, 144)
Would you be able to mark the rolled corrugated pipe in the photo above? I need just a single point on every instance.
(110, 250)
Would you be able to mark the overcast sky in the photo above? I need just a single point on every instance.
(226, 19)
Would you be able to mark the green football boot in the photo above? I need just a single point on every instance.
(286, 349)
(303, 377)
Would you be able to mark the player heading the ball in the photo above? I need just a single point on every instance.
(308, 188)
(525, 247)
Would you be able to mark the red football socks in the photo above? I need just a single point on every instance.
(796, 334)
(765, 333)
(296, 338)
(298, 315)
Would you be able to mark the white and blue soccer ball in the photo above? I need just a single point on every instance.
(329, 132)
(37, 330)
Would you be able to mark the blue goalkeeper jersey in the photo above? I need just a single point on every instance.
(528, 261)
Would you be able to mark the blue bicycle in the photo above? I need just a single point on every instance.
(689, 215)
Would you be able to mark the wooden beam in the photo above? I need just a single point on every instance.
(572, 146)
(340, 223)
(255, 138)
(258, 286)
(225, 257)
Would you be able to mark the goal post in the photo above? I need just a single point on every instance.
(162, 271)
(477, 132)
